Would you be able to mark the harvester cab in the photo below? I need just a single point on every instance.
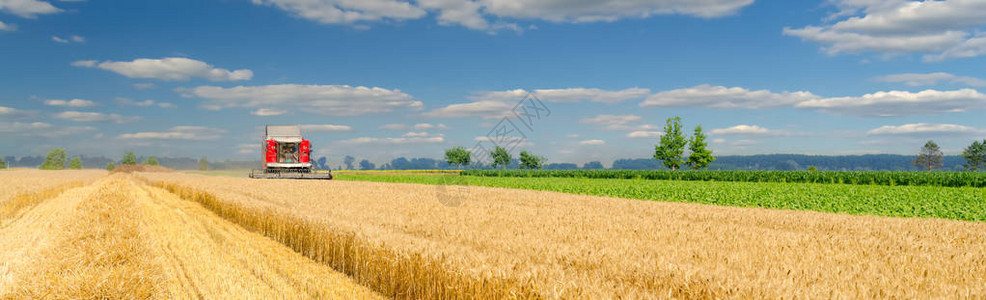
(287, 155)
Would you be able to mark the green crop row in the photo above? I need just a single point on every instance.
(957, 203)
(891, 178)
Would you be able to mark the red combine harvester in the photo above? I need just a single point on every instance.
(287, 155)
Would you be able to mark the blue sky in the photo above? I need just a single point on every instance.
(379, 79)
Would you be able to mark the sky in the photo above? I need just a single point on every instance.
(574, 81)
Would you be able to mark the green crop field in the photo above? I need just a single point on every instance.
(891, 178)
(957, 203)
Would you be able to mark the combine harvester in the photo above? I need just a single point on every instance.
(287, 155)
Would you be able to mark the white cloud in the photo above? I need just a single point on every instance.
(426, 126)
(644, 134)
(170, 68)
(79, 116)
(345, 11)
(144, 86)
(725, 98)
(478, 14)
(267, 112)
(746, 130)
(198, 133)
(497, 104)
(901, 103)
(917, 79)
(334, 100)
(27, 8)
(145, 103)
(324, 128)
(40, 129)
(70, 103)
(395, 127)
(593, 142)
(942, 29)
(7, 26)
(71, 39)
(13, 113)
(413, 138)
(572, 136)
(924, 129)
(612, 122)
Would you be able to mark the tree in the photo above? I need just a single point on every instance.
(151, 161)
(55, 160)
(593, 165)
(110, 166)
(129, 159)
(75, 163)
(321, 163)
(701, 156)
(3, 164)
(975, 156)
(203, 164)
(366, 165)
(458, 156)
(930, 157)
(530, 161)
(500, 157)
(672, 145)
(349, 160)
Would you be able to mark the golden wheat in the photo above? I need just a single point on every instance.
(539, 244)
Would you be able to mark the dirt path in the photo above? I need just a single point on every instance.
(85, 238)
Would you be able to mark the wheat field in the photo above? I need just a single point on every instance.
(117, 238)
(172, 235)
(551, 245)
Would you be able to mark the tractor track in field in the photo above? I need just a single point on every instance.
(187, 251)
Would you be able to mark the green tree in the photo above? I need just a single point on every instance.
(75, 163)
(975, 156)
(3, 164)
(930, 157)
(500, 157)
(129, 158)
(530, 161)
(110, 166)
(349, 161)
(55, 160)
(151, 161)
(701, 156)
(672, 145)
(203, 164)
(367, 165)
(458, 156)
(812, 168)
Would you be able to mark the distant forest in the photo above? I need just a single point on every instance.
(874, 162)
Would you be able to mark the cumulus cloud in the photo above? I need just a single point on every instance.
(615, 122)
(347, 12)
(497, 104)
(13, 113)
(644, 134)
(410, 138)
(333, 100)
(929, 79)
(593, 142)
(70, 103)
(7, 27)
(71, 39)
(748, 130)
(196, 133)
(267, 112)
(324, 128)
(924, 129)
(170, 69)
(940, 29)
(28, 8)
(35, 129)
(145, 103)
(488, 15)
(901, 103)
(80, 116)
(725, 98)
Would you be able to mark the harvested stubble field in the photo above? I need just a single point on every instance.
(118, 238)
(402, 241)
